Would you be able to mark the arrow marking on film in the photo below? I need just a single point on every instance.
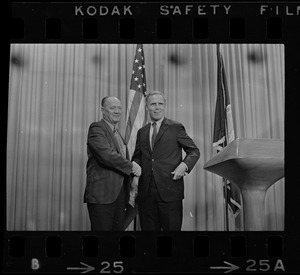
(85, 269)
(230, 267)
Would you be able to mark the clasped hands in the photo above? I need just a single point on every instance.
(136, 169)
(180, 171)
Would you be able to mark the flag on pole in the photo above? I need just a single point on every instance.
(136, 118)
(224, 132)
(136, 112)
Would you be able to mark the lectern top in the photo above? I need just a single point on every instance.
(261, 148)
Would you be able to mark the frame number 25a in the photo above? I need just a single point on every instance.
(264, 265)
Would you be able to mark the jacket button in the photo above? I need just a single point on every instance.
(152, 159)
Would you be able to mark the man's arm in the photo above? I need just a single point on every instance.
(136, 157)
(190, 148)
(104, 153)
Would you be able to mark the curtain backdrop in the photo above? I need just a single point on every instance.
(54, 95)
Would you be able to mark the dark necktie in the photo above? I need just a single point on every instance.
(120, 143)
(154, 134)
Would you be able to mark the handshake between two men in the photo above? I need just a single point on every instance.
(136, 169)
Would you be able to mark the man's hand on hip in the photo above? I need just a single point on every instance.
(180, 171)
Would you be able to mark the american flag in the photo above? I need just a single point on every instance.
(224, 131)
(136, 118)
(136, 112)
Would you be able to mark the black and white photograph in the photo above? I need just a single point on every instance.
(145, 137)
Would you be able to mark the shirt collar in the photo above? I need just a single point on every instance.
(112, 126)
(158, 122)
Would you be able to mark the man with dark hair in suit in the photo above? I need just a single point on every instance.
(158, 151)
(108, 170)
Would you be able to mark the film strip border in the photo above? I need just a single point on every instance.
(151, 252)
(154, 22)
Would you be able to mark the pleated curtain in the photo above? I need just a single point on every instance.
(54, 95)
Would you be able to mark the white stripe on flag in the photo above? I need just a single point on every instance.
(130, 99)
(138, 123)
(219, 143)
(230, 130)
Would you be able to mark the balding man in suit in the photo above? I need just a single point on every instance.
(108, 170)
(158, 151)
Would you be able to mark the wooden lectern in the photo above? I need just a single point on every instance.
(253, 165)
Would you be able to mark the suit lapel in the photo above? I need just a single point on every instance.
(111, 134)
(162, 130)
(147, 135)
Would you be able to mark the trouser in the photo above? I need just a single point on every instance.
(108, 217)
(156, 214)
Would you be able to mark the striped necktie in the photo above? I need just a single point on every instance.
(120, 143)
(154, 134)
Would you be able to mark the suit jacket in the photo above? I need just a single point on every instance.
(106, 169)
(165, 157)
